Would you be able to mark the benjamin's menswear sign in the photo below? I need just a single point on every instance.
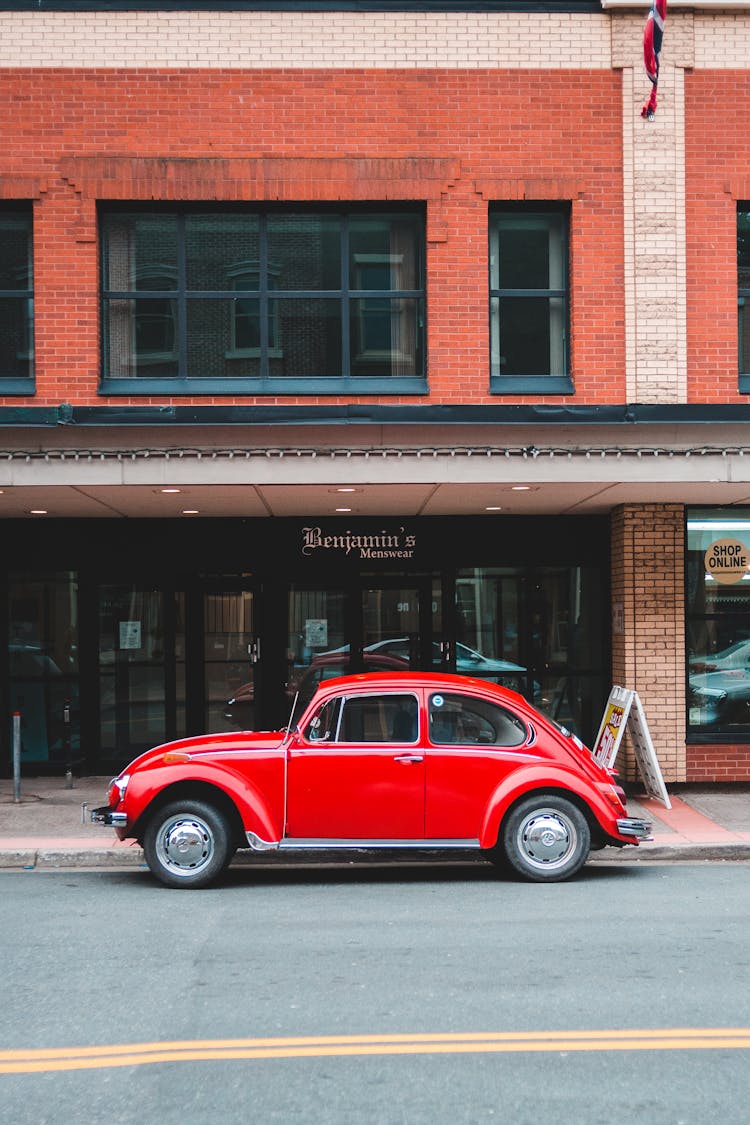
(727, 561)
(382, 544)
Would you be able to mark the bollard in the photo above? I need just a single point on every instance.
(16, 757)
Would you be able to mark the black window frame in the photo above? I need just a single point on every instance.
(542, 383)
(344, 384)
(12, 383)
(743, 294)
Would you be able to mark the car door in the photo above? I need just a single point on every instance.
(356, 771)
(472, 744)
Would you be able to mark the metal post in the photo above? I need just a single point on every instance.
(67, 745)
(16, 756)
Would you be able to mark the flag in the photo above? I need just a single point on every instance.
(652, 38)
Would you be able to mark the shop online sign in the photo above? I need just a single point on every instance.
(727, 561)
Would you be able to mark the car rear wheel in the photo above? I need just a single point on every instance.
(187, 844)
(546, 838)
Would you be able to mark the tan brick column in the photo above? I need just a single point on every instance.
(648, 625)
(654, 209)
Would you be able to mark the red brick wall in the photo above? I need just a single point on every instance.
(718, 763)
(717, 159)
(455, 139)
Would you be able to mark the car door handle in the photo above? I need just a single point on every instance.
(407, 759)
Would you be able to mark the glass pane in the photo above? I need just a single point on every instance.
(43, 665)
(310, 337)
(386, 336)
(16, 352)
(316, 648)
(131, 669)
(229, 673)
(743, 319)
(528, 335)
(15, 252)
(304, 251)
(527, 252)
(210, 342)
(743, 248)
(222, 251)
(384, 252)
(139, 252)
(140, 338)
(390, 629)
(488, 604)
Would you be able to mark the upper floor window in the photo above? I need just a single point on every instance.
(529, 300)
(264, 301)
(16, 301)
(743, 286)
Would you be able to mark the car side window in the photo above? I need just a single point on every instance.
(379, 718)
(467, 721)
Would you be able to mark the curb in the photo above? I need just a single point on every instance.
(50, 858)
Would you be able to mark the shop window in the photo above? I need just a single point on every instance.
(262, 301)
(529, 301)
(718, 623)
(16, 302)
(743, 294)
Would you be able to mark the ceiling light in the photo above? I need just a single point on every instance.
(170, 490)
(190, 512)
(38, 512)
(343, 509)
(493, 508)
(520, 488)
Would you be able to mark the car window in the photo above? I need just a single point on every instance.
(324, 725)
(366, 718)
(465, 720)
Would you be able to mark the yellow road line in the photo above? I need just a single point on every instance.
(193, 1050)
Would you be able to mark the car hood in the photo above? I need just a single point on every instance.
(203, 744)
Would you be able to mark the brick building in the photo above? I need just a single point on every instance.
(364, 333)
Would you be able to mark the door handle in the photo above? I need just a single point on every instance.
(408, 759)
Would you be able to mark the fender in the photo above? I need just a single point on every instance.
(536, 778)
(259, 804)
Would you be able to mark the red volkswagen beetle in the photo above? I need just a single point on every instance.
(379, 760)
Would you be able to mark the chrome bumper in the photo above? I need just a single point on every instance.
(104, 815)
(635, 827)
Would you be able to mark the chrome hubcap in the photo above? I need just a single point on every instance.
(185, 844)
(547, 839)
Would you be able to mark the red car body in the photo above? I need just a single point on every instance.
(471, 765)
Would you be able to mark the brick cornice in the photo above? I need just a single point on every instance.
(260, 178)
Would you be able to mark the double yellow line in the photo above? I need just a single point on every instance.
(193, 1050)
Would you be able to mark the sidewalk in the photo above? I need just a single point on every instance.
(45, 828)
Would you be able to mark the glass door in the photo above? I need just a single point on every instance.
(231, 656)
(140, 638)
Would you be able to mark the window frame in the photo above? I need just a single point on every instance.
(541, 383)
(22, 384)
(743, 303)
(269, 298)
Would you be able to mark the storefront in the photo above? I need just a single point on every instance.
(124, 634)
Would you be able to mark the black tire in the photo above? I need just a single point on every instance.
(188, 844)
(546, 838)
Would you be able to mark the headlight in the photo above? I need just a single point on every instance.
(116, 791)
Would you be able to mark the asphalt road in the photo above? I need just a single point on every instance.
(385, 995)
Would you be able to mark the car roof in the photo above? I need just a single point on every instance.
(432, 681)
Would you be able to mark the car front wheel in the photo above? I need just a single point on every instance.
(546, 838)
(187, 844)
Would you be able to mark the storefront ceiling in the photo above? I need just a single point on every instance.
(400, 472)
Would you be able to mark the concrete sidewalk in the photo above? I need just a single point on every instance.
(46, 827)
